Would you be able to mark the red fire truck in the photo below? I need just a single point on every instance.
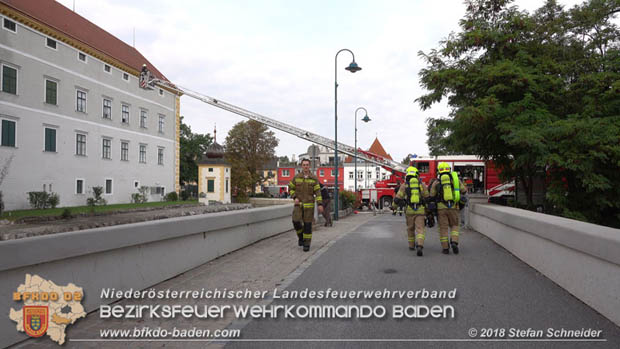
(478, 175)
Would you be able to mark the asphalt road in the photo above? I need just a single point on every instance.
(495, 290)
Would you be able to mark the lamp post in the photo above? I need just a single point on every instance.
(353, 67)
(364, 119)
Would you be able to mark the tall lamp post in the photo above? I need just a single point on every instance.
(353, 67)
(364, 119)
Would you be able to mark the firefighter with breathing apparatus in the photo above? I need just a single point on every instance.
(413, 195)
(446, 192)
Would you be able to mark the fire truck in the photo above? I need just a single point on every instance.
(383, 191)
(478, 175)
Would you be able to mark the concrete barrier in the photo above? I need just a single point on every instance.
(582, 258)
(128, 256)
(262, 202)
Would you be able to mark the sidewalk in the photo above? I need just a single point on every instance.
(261, 267)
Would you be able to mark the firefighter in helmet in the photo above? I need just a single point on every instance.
(446, 191)
(305, 188)
(397, 205)
(413, 194)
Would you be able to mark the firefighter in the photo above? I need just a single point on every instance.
(446, 191)
(413, 194)
(304, 188)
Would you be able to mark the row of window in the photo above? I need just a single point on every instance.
(51, 97)
(211, 185)
(106, 147)
(7, 139)
(360, 174)
(80, 187)
(9, 85)
(11, 26)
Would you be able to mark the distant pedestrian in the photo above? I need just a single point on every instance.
(327, 210)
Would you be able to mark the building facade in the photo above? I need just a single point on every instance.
(367, 173)
(214, 176)
(72, 114)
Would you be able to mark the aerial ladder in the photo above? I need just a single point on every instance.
(147, 81)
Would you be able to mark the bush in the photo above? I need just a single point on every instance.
(96, 200)
(66, 214)
(348, 198)
(1, 204)
(202, 195)
(141, 196)
(184, 195)
(53, 200)
(42, 200)
(38, 199)
(172, 196)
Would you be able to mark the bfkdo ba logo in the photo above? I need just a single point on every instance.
(46, 307)
(36, 318)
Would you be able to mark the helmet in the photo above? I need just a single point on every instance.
(412, 171)
(443, 167)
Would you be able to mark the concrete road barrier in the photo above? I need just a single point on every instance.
(582, 258)
(131, 256)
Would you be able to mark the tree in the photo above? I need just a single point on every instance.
(193, 147)
(406, 160)
(284, 159)
(249, 146)
(439, 144)
(536, 93)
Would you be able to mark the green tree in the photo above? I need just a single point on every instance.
(284, 160)
(536, 93)
(437, 131)
(249, 146)
(193, 147)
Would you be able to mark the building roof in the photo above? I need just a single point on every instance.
(377, 148)
(57, 21)
(215, 151)
(271, 164)
(214, 161)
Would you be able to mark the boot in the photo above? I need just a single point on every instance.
(446, 251)
(306, 248)
(420, 252)
(455, 247)
(301, 240)
(393, 213)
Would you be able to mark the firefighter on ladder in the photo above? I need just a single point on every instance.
(446, 191)
(413, 194)
(304, 188)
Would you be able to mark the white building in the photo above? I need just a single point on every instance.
(321, 156)
(72, 113)
(367, 173)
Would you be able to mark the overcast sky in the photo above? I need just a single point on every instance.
(276, 58)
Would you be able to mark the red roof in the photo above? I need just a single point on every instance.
(78, 28)
(377, 148)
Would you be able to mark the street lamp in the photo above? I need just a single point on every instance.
(353, 67)
(364, 119)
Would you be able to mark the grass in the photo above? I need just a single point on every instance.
(17, 214)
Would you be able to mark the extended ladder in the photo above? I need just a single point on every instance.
(148, 82)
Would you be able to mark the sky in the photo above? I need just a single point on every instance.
(276, 58)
